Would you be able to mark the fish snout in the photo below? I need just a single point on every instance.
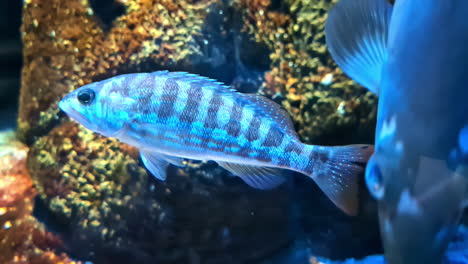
(74, 110)
(67, 106)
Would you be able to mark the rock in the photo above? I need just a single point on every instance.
(94, 191)
(299, 65)
(107, 206)
(24, 239)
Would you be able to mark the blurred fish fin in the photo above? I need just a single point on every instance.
(258, 177)
(338, 176)
(196, 79)
(177, 161)
(155, 164)
(356, 34)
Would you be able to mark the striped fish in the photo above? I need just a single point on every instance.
(169, 116)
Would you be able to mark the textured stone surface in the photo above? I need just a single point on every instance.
(95, 193)
(107, 207)
(326, 107)
(65, 46)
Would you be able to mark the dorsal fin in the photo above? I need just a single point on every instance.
(356, 34)
(259, 104)
(202, 81)
(265, 106)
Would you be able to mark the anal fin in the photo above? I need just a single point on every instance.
(255, 176)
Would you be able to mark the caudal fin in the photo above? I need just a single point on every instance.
(338, 174)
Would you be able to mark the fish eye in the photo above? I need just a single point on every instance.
(374, 181)
(86, 96)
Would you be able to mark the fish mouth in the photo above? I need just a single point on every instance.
(73, 113)
(63, 106)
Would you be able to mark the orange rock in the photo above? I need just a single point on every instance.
(23, 238)
(14, 178)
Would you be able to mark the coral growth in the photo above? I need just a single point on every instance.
(324, 104)
(77, 170)
(23, 238)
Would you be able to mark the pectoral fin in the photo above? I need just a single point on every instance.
(177, 161)
(155, 164)
(255, 176)
(356, 33)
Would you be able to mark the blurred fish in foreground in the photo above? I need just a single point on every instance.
(414, 56)
(173, 115)
(300, 254)
(456, 252)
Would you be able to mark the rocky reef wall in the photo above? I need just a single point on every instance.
(94, 191)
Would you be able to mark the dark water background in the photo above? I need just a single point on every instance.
(10, 61)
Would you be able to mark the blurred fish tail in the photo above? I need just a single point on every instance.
(336, 170)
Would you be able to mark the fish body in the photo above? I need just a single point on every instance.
(173, 115)
(414, 56)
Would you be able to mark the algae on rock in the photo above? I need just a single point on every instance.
(326, 106)
(65, 47)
